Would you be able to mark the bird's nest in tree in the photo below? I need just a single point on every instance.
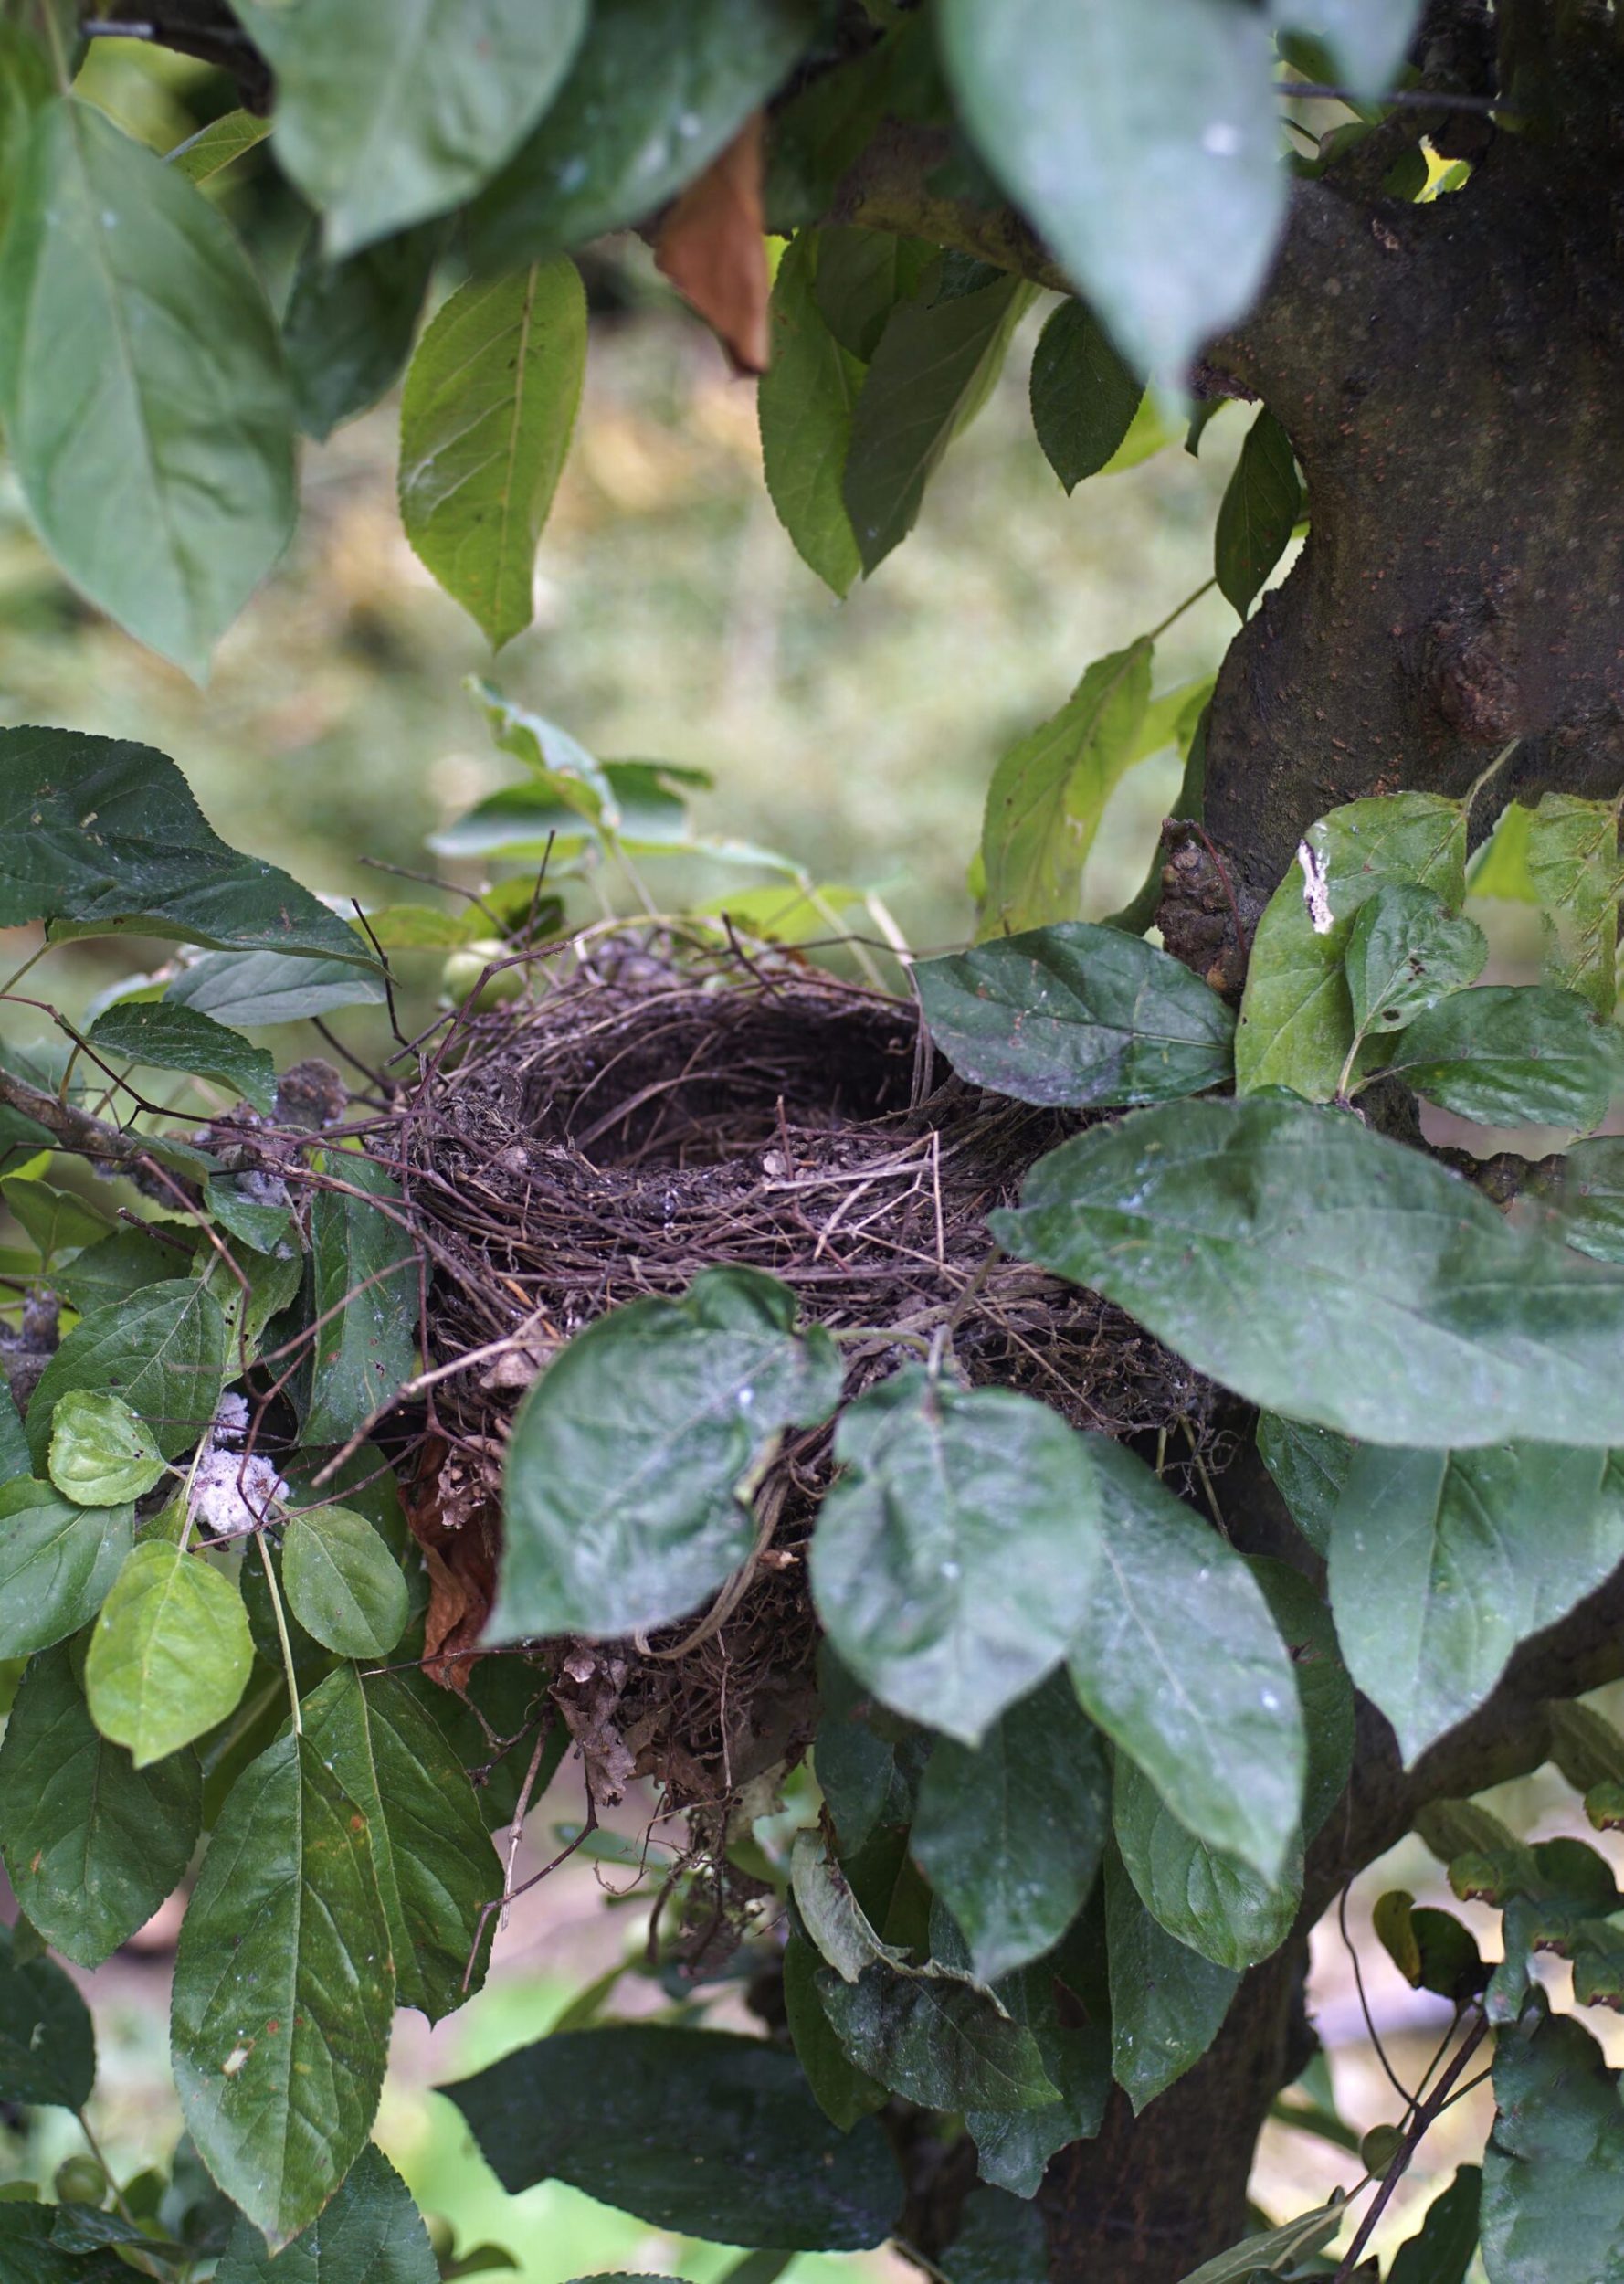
(652, 1112)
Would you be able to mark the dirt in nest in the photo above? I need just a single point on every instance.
(648, 1117)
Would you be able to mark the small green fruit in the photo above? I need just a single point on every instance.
(80, 2181)
(460, 977)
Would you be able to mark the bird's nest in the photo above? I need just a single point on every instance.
(650, 1115)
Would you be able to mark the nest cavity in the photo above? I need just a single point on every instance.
(645, 1117)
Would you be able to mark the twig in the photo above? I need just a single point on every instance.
(1417, 2126)
(1380, 2051)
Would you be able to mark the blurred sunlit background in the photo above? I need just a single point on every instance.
(673, 621)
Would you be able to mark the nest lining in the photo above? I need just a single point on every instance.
(643, 1120)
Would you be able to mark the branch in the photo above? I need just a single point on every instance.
(70, 1127)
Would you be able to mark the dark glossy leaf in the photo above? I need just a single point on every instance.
(348, 327)
(170, 1653)
(147, 412)
(1210, 1902)
(57, 1564)
(1432, 1950)
(1083, 396)
(1309, 1466)
(842, 2091)
(696, 2131)
(258, 987)
(166, 1036)
(1067, 105)
(1048, 793)
(1310, 1264)
(1258, 512)
(283, 1992)
(92, 1845)
(1554, 2170)
(817, 133)
(372, 2233)
(1076, 1016)
(122, 1263)
(1013, 2147)
(1296, 1017)
(1441, 2250)
(861, 276)
(1406, 951)
(627, 1458)
(1366, 38)
(486, 417)
(954, 1555)
(935, 2040)
(1572, 848)
(365, 1286)
(806, 400)
(1010, 1833)
(30, 2254)
(1167, 2003)
(150, 866)
(47, 2049)
(932, 368)
(13, 1442)
(657, 89)
(1511, 1055)
(1180, 1663)
(1441, 1562)
(1000, 2240)
(163, 1350)
(383, 119)
(1323, 1688)
(343, 1584)
(436, 1869)
(101, 1454)
(869, 1760)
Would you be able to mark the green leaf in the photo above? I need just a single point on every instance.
(1442, 2249)
(1048, 793)
(486, 417)
(1083, 396)
(101, 1454)
(343, 1585)
(932, 368)
(26, 84)
(938, 2040)
(561, 767)
(1068, 105)
(93, 1845)
(1167, 2003)
(1572, 850)
(1296, 1018)
(1405, 951)
(167, 1037)
(213, 148)
(1511, 1055)
(860, 277)
(100, 836)
(157, 457)
(1010, 1835)
(868, 1762)
(348, 326)
(1258, 514)
(47, 2049)
(842, 2091)
(163, 1350)
(57, 1564)
(1499, 868)
(170, 1653)
(1309, 1465)
(436, 1869)
(13, 1442)
(1000, 2240)
(32, 2254)
(364, 1285)
(658, 88)
(1554, 2170)
(625, 1488)
(1013, 2147)
(283, 1992)
(55, 1219)
(1210, 1902)
(806, 400)
(694, 2131)
(1076, 1016)
(381, 121)
(1442, 1561)
(1323, 1688)
(1274, 2250)
(954, 1555)
(262, 1225)
(1366, 38)
(116, 1266)
(370, 2231)
(258, 987)
(1179, 1662)
(1310, 1264)
(1433, 1951)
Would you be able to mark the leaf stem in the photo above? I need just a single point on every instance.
(1179, 610)
(276, 1604)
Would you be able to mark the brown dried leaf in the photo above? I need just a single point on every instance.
(454, 1523)
(712, 248)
